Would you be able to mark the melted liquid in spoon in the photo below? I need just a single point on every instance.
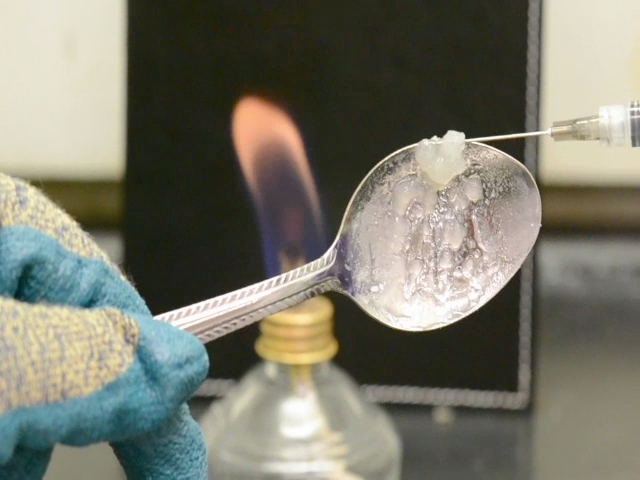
(430, 251)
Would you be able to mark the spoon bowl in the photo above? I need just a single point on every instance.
(417, 258)
(412, 255)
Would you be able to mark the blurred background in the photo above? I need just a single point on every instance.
(63, 110)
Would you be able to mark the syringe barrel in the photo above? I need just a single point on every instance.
(614, 126)
(620, 125)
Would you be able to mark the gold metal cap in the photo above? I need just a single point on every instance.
(302, 335)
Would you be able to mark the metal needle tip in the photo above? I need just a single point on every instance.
(510, 136)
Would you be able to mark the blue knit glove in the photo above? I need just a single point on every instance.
(81, 358)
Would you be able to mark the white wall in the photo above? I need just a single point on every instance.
(62, 110)
(62, 84)
(590, 57)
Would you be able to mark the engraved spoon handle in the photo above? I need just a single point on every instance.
(218, 316)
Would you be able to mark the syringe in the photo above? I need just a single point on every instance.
(614, 126)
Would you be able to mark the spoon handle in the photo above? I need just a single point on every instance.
(218, 316)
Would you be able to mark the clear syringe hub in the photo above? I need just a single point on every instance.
(614, 126)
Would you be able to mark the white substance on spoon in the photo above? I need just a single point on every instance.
(440, 160)
(434, 247)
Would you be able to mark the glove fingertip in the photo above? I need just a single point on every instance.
(175, 360)
(26, 464)
(174, 450)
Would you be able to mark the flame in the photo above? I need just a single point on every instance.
(274, 163)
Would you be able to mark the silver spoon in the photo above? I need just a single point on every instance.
(411, 257)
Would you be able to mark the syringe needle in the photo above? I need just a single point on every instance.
(510, 136)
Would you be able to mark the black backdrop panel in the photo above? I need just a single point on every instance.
(360, 79)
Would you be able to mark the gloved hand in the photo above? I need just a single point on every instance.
(81, 358)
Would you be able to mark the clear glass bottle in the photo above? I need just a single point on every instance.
(297, 415)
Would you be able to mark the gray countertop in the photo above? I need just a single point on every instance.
(586, 419)
(586, 424)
